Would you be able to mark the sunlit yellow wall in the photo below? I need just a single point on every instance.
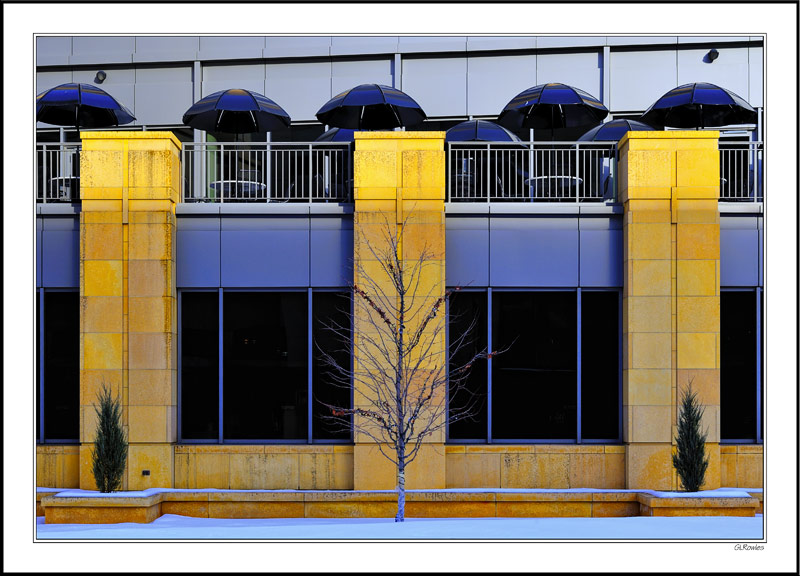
(400, 181)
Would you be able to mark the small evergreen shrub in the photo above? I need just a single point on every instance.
(690, 460)
(110, 444)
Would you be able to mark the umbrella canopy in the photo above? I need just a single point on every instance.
(552, 106)
(371, 107)
(479, 130)
(80, 105)
(337, 135)
(236, 111)
(699, 105)
(613, 131)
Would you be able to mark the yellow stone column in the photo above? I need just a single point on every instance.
(130, 184)
(400, 177)
(669, 186)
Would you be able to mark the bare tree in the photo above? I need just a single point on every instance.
(401, 370)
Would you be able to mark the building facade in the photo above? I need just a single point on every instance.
(205, 312)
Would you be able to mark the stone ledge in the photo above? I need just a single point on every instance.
(76, 506)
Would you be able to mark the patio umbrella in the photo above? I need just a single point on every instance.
(371, 107)
(337, 135)
(699, 105)
(552, 106)
(237, 111)
(613, 131)
(80, 105)
(479, 131)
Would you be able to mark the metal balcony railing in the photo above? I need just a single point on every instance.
(58, 172)
(741, 167)
(531, 171)
(267, 172)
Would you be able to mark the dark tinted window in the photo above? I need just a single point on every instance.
(599, 365)
(265, 343)
(468, 399)
(738, 349)
(61, 366)
(200, 365)
(331, 325)
(534, 383)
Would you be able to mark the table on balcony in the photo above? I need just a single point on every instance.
(240, 190)
(64, 188)
(553, 187)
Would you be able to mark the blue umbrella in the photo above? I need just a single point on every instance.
(371, 107)
(236, 111)
(337, 135)
(699, 105)
(80, 105)
(479, 130)
(613, 131)
(552, 106)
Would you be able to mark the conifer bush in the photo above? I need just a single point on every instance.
(690, 459)
(110, 444)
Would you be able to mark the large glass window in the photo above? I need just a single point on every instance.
(262, 378)
(468, 398)
(740, 391)
(58, 364)
(534, 390)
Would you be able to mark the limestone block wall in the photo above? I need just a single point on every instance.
(130, 183)
(57, 466)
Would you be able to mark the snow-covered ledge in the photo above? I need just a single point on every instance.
(89, 507)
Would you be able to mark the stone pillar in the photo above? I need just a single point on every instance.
(669, 186)
(130, 184)
(400, 178)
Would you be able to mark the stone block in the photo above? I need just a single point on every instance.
(649, 278)
(151, 314)
(190, 509)
(100, 241)
(371, 470)
(151, 242)
(316, 471)
(649, 466)
(650, 350)
(102, 168)
(101, 278)
(150, 278)
(544, 509)
(705, 383)
(148, 424)
(102, 351)
(698, 242)
(648, 313)
(101, 313)
(646, 387)
(651, 423)
(376, 168)
(698, 313)
(150, 351)
(750, 470)
(158, 458)
(423, 169)
(110, 202)
(212, 471)
(697, 278)
(697, 350)
(255, 510)
(649, 168)
(698, 168)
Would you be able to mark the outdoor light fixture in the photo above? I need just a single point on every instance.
(712, 55)
(99, 77)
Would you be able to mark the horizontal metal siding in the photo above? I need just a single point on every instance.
(60, 245)
(740, 249)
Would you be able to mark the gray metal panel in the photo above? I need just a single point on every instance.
(534, 252)
(640, 40)
(222, 77)
(437, 84)
(356, 45)
(739, 257)
(601, 257)
(475, 43)
(569, 41)
(265, 252)
(53, 50)
(198, 258)
(289, 46)
(711, 39)
(102, 49)
(755, 94)
(407, 44)
(166, 48)
(347, 74)
(60, 253)
(494, 80)
(38, 252)
(331, 251)
(229, 47)
(300, 88)
(583, 70)
(151, 86)
(729, 71)
(467, 255)
(640, 78)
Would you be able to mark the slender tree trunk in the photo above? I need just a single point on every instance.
(401, 487)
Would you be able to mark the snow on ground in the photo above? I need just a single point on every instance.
(174, 527)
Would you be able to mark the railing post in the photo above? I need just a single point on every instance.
(310, 173)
